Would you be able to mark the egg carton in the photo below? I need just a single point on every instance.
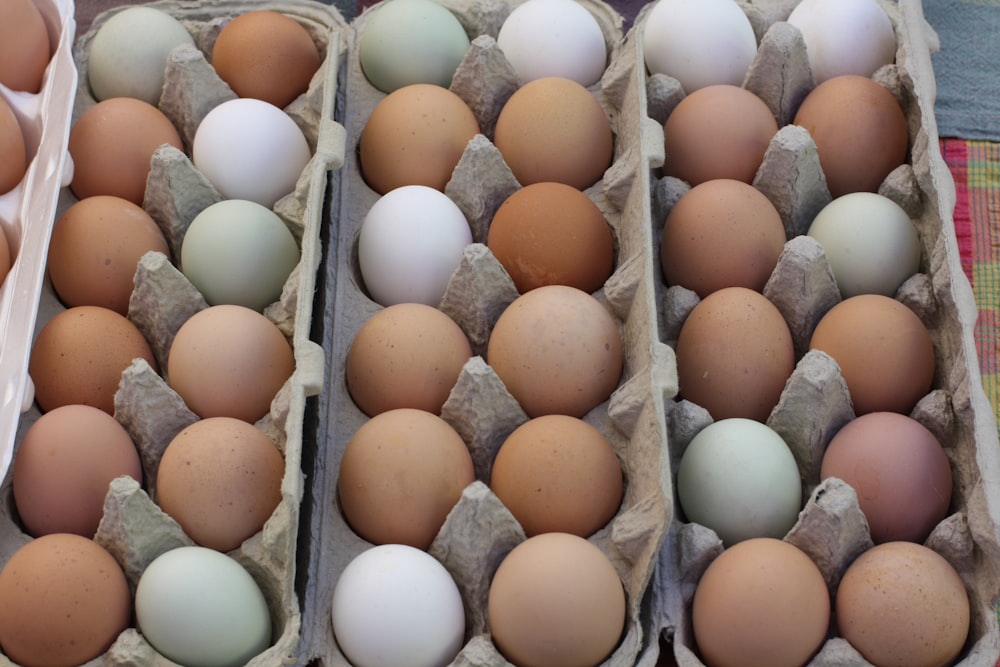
(134, 529)
(28, 211)
(480, 531)
(815, 403)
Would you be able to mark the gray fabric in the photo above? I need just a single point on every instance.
(967, 68)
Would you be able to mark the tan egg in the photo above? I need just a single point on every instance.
(401, 474)
(734, 354)
(762, 601)
(859, 129)
(719, 131)
(65, 601)
(557, 350)
(722, 233)
(79, 357)
(95, 248)
(13, 149)
(6, 256)
(556, 601)
(220, 479)
(415, 136)
(902, 603)
(408, 355)
(552, 234)
(266, 55)
(64, 465)
(884, 352)
(25, 47)
(229, 361)
(558, 474)
(554, 130)
(112, 144)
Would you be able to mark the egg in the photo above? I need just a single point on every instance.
(884, 351)
(6, 258)
(699, 42)
(201, 608)
(734, 354)
(406, 42)
(13, 149)
(899, 471)
(557, 350)
(66, 600)
(558, 474)
(128, 54)
(859, 130)
(25, 47)
(543, 38)
(760, 602)
(266, 55)
(721, 233)
(250, 149)
(94, 250)
(64, 465)
(718, 131)
(739, 478)
(901, 603)
(229, 361)
(552, 234)
(408, 355)
(415, 135)
(397, 605)
(554, 130)
(400, 476)
(556, 599)
(112, 145)
(220, 479)
(80, 354)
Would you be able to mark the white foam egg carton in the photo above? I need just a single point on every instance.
(814, 403)
(28, 211)
(134, 529)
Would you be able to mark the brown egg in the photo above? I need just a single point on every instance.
(554, 130)
(25, 47)
(901, 603)
(884, 352)
(79, 357)
(719, 131)
(898, 470)
(734, 354)
(552, 234)
(229, 361)
(64, 465)
(95, 248)
(722, 233)
(408, 355)
(415, 136)
(556, 600)
(859, 129)
(266, 55)
(401, 474)
(557, 350)
(112, 144)
(6, 255)
(220, 479)
(762, 601)
(13, 149)
(558, 474)
(65, 601)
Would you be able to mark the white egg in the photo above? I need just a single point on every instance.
(869, 241)
(844, 37)
(249, 149)
(699, 42)
(543, 38)
(396, 605)
(411, 241)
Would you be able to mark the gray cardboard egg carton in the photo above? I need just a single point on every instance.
(479, 532)
(815, 402)
(134, 529)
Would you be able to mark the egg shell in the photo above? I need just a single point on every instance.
(25, 47)
(13, 148)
